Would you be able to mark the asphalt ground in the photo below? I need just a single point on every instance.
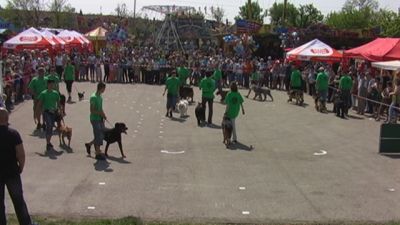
(176, 171)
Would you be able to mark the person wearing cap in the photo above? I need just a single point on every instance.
(321, 86)
(12, 163)
(69, 76)
(49, 106)
(36, 86)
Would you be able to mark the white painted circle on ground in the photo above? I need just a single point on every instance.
(242, 188)
(91, 207)
(245, 212)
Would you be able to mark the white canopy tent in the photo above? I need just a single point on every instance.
(388, 65)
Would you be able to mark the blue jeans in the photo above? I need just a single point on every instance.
(171, 101)
(14, 187)
(393, 113)
(49, 119)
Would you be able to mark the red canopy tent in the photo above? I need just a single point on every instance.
(380, 49)
(71, 39)
(29, 39)
(314, 50)
(60, 44)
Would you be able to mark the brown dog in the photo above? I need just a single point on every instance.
(227, 129)
(64, 132)
(223, 94)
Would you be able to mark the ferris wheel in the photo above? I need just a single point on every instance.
(168, 37)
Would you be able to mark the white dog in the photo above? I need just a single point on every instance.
(183, 107)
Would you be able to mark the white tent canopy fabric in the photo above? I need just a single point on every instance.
(30, 38)
(314, 50)
(388, 65)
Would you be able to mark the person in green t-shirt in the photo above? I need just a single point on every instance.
(295, 80)
(345, 85)
(69, 76)
(53, 76)
(217, 77)
(172, 84)
(36, 86)
(183, 74)
(97, 118)
(321, 86)
(207, 87)
(233, 102)
(48, 105)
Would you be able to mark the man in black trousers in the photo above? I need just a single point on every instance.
(12, 161)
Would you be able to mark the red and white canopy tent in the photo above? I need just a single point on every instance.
(314, 50)
(71, 39)
(60, 44)
(30, 39)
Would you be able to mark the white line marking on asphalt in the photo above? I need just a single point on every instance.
(161, 127)
(371, 119)
(141, 115)
(242, 188)
(149, 107)
(141, 119)
(322, 152)
(161, 124)
(136, 131)
(158, 111)
(161, 132)
(245, 212)
(141, 104)
(137, 111)
(138, 126)
(391, 189)
(139, 122)
(91, 207)
(102, 183)
(168, 152)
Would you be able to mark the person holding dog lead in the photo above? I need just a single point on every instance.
(36, 86)
(345, 85)
(172, 85)
(69, 76)
(321, 86)
(207, 86)
(234, 101)
(97, 117)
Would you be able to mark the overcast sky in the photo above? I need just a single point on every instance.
(231, 7)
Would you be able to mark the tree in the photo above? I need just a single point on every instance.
(276, 14)
(122, 10)
(27, 11)
(252, 12)
(388, 22)
(308, 15)
(350, 5)
(56, 7)
(218, 14)
(354, 19)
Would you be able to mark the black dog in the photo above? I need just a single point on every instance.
(200, 112)
(186, 92)
(114, 135)
(339, 105)
(227, 129)
(81, 96)
(223, 94)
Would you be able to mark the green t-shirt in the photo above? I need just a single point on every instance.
(56, 81)
(322, 82)
(172, 84)
(217, 75)
(49, 99)
(69, 72)
(183, 74)
(255, 76)
(295, 79)
(37, 85)
(207, 85)
(233, 101)
(97, 102)
(345, 83)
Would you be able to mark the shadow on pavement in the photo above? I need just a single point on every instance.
(38, 133)
(119, 160)
(214, 126)
(355, 117)
(392, 156)
(69, 150)
(102, 165)
(240, 146)
(177, 119)
(51, 154)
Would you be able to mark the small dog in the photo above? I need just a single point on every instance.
(339, 106)
(227, 129)
(296, 94)
(200, 112)
(260, 92)
(183, 107)
(114, 135)
(64, 132)
(186, 92)
(223, 94)
(81, 96)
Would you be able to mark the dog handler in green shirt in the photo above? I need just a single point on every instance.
(97, 117)
(295, 80)
(53, 76)
(207, 86)
(36, 86)
(172, 85)
(69, 76)
(345, 85)
(233, 102)
(322, 85)
(49, 103)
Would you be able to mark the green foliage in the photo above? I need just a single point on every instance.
(388, 21)
(218, 14)
(276, 14)
(308, 15)
(350, 5)
(252, 12)
(350, 19)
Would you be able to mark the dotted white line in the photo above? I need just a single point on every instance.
(102, 183)
(242, 188)
(91, 207)
(245, 212)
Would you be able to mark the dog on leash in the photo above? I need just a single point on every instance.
(114, 135)
(297, 95)
(81, 96)
(183, 106)
(223, 94)
(64, 132)
(339, 106)
(186, 92)
(227, 129)
(260, 92)
(200, 112)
